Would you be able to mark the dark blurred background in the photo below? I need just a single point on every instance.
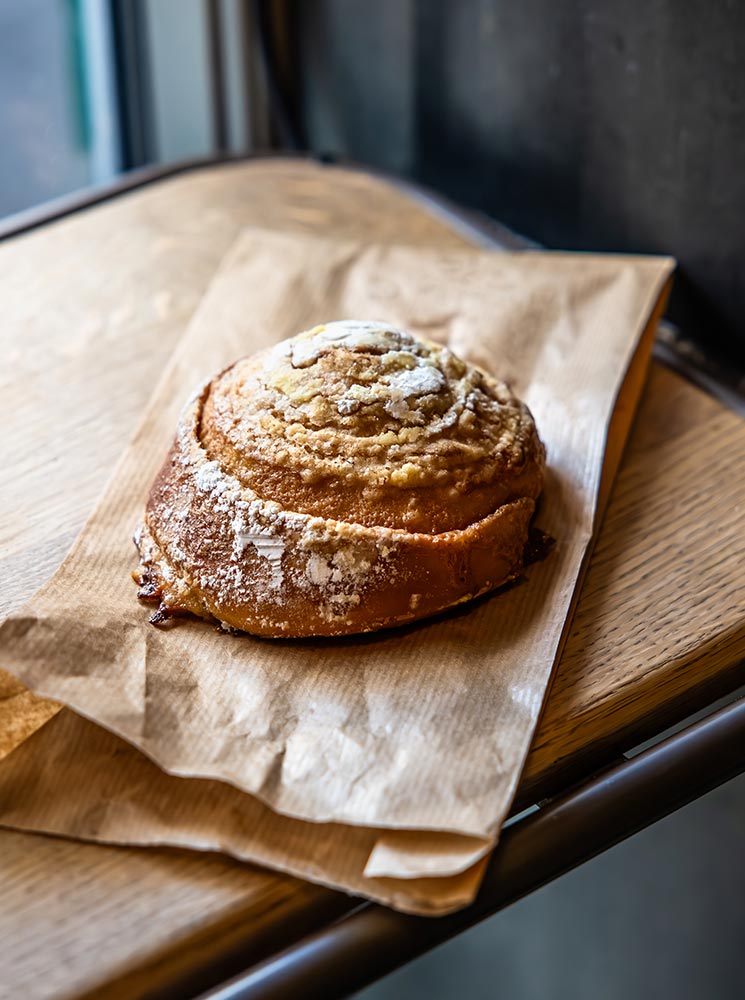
(608, 125)
(615, 125)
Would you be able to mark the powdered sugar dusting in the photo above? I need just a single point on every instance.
(318, 570)
(355, 335)
(267, 545)
(395, 388)
(419, 381)
(334, 568)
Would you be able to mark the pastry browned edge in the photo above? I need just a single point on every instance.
(350, 478)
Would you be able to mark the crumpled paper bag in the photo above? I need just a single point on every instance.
(386, 763)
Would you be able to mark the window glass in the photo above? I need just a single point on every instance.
(45, 128)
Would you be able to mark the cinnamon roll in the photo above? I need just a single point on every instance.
(348, 479)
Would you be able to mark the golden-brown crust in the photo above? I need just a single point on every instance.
(348, 479)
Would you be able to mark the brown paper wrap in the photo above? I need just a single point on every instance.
(384, 764)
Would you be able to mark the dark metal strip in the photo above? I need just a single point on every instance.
(133, 83)
(474, 226)
(217, 73)
(287, 124)
(374, 941)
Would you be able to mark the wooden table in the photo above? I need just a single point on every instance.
(659, 631)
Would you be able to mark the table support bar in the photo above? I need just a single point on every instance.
(373, 940)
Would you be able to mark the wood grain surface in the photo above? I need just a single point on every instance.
(659, 628)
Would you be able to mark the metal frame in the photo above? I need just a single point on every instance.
(276, 38)
(363, 941)
(134, 84)
(216, 36)
(479, 228)
(373, 941)
(214, 68)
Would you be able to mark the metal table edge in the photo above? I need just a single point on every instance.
(372, 941)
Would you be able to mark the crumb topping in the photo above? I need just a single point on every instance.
(307, 475)
(373, 412)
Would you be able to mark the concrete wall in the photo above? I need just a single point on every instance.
(613, 125)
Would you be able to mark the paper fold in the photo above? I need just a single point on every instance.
(341, 747)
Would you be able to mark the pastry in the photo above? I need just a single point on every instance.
(345, 480)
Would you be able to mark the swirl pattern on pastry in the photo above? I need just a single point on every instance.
(347, 479)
